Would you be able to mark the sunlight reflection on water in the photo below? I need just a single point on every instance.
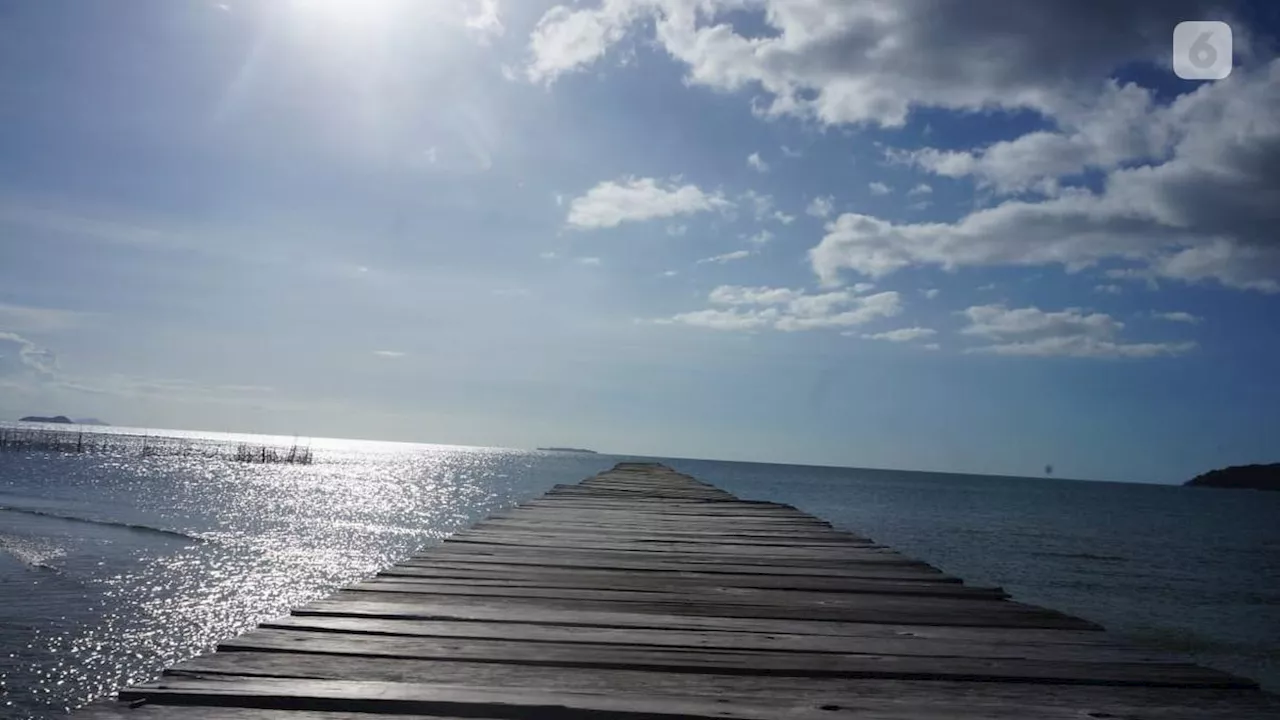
(124, 602)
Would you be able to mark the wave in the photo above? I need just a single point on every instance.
(32, 553)
(108, 523)
(1082, 556)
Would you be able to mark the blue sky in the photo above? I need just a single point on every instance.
(928, 235)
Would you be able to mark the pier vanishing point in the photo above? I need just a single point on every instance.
(645, 594)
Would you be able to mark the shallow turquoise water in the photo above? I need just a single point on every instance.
(113, 567)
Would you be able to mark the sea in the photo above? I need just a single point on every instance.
(114, 565)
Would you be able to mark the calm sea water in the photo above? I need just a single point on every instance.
(113, 567)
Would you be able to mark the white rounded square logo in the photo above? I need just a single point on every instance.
(1202, 50)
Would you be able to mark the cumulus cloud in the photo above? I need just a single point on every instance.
(787, 310)
(930, 293)
(756, 163)
(900, 335)
(1189, 190)
(391, 354)
(760, 238)
(921, 189)
(868, 61)
(1070, 332)
(821, 207)
(879, 188)
(612, 203)
(1120, 125)
(1205, 213)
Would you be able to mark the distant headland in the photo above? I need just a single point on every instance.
(567, 449)
(61, 420)
(1256, 477)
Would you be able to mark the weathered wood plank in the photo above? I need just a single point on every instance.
(616, 558)
(852, 608)
(671, 615)
(654, 582)
(973, 701)
(994, 700)
(736, 662)
(711, 573)
(547, 559)
(917, 642)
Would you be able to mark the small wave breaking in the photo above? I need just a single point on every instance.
(32, 553)
(108, 523)
(1082, 556)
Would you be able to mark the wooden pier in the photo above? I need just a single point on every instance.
(644, 594)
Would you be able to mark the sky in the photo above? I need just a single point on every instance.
(968, 236)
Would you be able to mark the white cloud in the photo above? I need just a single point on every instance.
(821, 206)
(879, 188)
(756, 163)
(784, 218)
(863, 287)
(486, 20)
(760, 238)
(727, 257)
(1109, 289)
(548, 255)
(931, 346)
(677, 230)
(761, 204)
(1206, 212)
(1121, 124)
(1179, 317)
(864, 61)
(906, 334)
(30, 358)
(1070, 333)
(921, 189)
(788, 152)
(787, 310)
(390, 354)
(565, 40)
(931, 293)
(587, 260)
(670, 273)
(637, 199)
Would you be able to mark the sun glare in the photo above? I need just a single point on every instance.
(352, 16)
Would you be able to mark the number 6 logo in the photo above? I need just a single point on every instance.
(1202, 50)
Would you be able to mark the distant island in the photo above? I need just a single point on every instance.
(1256, 477)
(61, 420)
(567, 449)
